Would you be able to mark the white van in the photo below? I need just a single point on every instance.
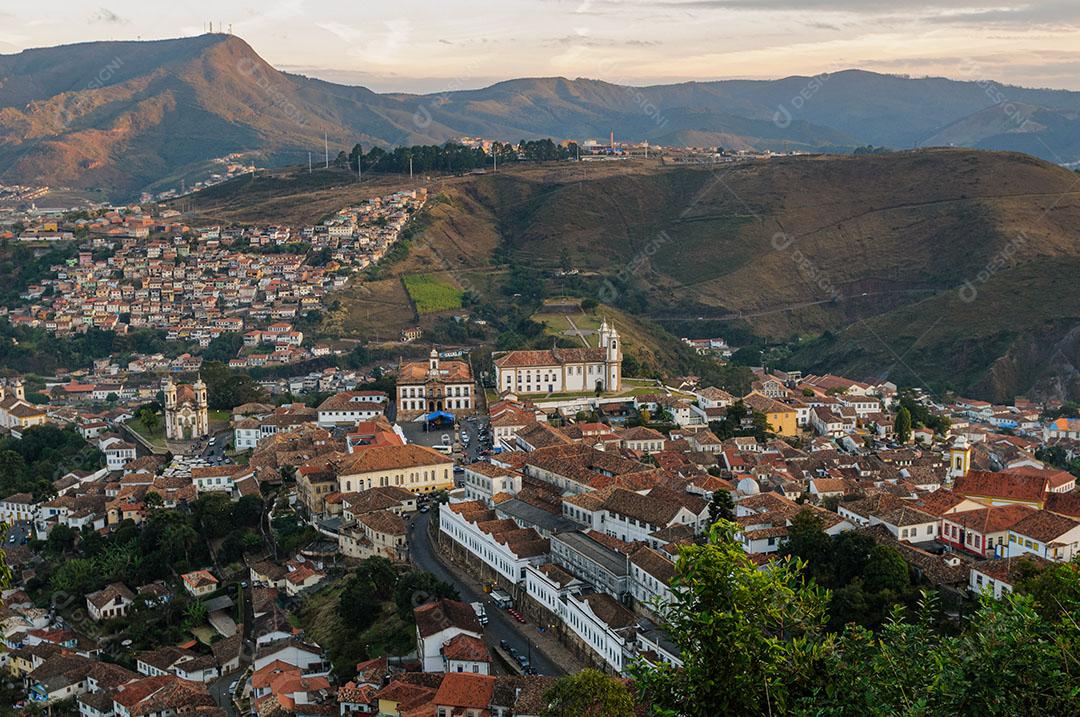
(481, 613)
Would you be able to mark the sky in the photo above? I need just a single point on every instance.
(414, 46)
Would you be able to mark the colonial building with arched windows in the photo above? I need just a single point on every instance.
(434, 386)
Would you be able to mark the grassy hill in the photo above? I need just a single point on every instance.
(879, 251)
(947, 268)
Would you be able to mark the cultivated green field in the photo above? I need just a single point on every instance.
(431, 293)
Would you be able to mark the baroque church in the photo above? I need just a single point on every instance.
(187, 414)
(559, 370)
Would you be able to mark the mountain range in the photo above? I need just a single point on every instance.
(124, 116)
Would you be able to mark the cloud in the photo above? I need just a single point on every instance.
(107, 16)
(583, 40)
(944, 11)
(1056, 12)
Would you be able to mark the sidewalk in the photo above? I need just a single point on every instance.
(545, 641)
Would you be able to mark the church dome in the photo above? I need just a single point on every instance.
(748, 486)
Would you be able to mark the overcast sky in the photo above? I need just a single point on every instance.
(409, 45)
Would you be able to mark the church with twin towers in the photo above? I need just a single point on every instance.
(561, 370)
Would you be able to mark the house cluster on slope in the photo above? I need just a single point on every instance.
(135, 270)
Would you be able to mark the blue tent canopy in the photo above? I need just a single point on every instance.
(436, 415)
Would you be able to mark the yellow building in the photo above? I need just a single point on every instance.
(782, 418)
(415, 468)
(15, 411)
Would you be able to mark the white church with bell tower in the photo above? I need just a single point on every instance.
(559, 370)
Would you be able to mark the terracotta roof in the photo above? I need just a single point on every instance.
(1003, 485)
(466, 648)
(383, 521)
(990, 520)
(548, 357)
(382, 458)
(905, 516)
(1056, 477)
(939, 502)
(109, 593)
(1005, 569)
(1044, 526)
(652, 510)
(449, 372)
(1064, 504)
(608, 609)
(655, 564)
(439, 615)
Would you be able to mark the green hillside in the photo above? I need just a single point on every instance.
(869, 251)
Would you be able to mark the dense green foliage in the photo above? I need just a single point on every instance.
(166, 544)
(369, 612)
(588, 693)
(754, 641)
(44, 453)
(226, 389)
(741, 421)
(921, 415)
(453, 157)
(1059, 457)
(903, 424)
(28, 350)
(21, 266)
(866, 578)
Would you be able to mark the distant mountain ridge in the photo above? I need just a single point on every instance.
(120, 116)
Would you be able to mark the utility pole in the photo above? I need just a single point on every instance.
(309, 162)
(326, 150)
(495, 159)
(410, 167)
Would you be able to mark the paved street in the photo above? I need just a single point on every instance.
(500, 626)
(21, 532)
(472, 429)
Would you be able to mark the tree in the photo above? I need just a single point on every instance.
(248, 511)
(751, 640)
(357, 605)
(1055, 589)
(61, 540)
(149, 417)
(721, 507)
(903, 425)
(807, 541)
(912, 669)
(886, 570)
(78, 577)
(589, 693)
(196, 613)
(418, 587)
(153, 501)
